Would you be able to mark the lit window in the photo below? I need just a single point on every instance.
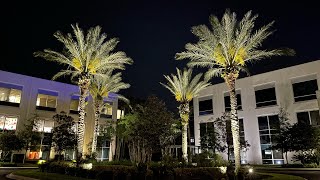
(10, 96)
(107, 109)
(44, 126)
(305, 90)
(269, 128)
(74, 105)
(47, 100)
(8, 123)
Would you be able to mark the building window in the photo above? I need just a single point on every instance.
(306, 90)
(106, 111)
(8, 123)
(103, 144)
(10, 95)
(205, 106)
(227, 104)
(243, 143)
(44, 126)
(74, 106)
(47, 100)
(309, 117)
(266, 97)
(269, 128)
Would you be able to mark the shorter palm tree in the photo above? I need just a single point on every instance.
(184, 88)
(86, 56)
(99, 89)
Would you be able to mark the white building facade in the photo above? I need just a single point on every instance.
(259, 100)
(23, 96)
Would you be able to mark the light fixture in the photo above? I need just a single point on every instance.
(250, 170)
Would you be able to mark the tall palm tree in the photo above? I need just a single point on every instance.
(99, 89)
(225, 49)
(86, 56)
(184, 88)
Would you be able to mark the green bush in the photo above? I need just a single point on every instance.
(207, 159)
(292, 165)
(8, 164)
(106, 163)
(199, 173)
(312, 165)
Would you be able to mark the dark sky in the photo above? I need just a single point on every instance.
(150, 32)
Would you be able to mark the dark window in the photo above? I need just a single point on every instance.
(266, 97)
(309, 117)
(227, 103)
(305, 90)
(303, 117)
(205, 107)
(263, 123)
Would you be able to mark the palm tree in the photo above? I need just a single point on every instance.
(86, 56)
(225, 50)
(184, 88)
(99, 89)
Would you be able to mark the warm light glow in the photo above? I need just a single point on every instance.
(250, 170)
(41, 161)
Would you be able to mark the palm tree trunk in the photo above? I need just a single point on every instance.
(84, 90)
(184, 114)
(97, 110)
(231, 80)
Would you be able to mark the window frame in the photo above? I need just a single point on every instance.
(304, 80)
(227, 94)
(265, 87)
(269, 134)
(207, 111)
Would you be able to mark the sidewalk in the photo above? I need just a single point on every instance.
(16, 177)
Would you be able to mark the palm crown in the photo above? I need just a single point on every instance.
(86, 55)
(183, 87)
(102, 86)
(229, 44)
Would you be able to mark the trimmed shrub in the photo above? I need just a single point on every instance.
(198, 173)
(8, 164)
(292, 165)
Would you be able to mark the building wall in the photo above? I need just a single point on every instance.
(27, 108)
(283, 79)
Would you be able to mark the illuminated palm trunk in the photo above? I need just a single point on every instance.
(184, 114)
(230, 79)
(97, 110)
(84, 90)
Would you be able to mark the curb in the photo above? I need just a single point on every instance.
(12, 176)
(19, 167)
(288, 169)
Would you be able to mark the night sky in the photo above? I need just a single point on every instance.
(150, 32)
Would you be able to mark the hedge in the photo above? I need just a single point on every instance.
(119, 172)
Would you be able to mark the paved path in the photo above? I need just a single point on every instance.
(4, 172)
(310, 174)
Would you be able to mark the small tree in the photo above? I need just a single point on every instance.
(30, 136)
(283, 140)
(9, 142)
(210, 140)
(64, 136)
(223, 125)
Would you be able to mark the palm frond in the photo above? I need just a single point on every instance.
(228, 44)
(183, 86)
(88, 53)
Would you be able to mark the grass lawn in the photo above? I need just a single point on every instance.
(280, 176)
(35, 173)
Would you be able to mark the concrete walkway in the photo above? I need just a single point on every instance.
(16, 177)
